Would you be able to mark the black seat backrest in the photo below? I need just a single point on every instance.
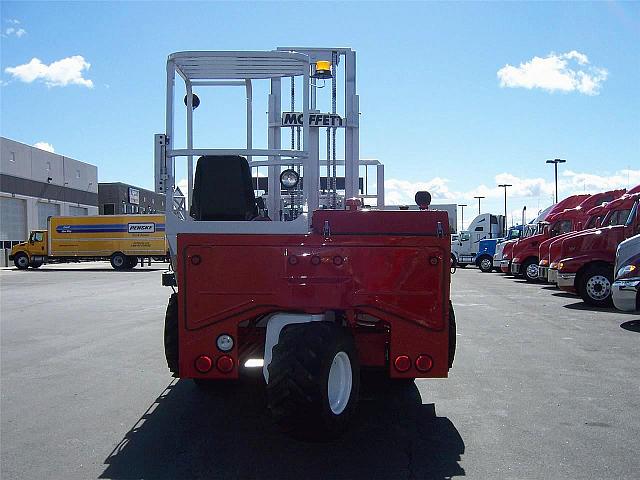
(223, 189)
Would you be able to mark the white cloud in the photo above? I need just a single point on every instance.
(15, 32)
(590, 182)
(565, 72)
(47, 147)
(13, 21)
(60, 73)
(401, 192)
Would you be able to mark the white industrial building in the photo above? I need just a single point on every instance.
(36, 184)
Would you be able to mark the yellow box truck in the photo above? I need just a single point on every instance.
(122, 239)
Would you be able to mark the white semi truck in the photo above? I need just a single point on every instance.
(465, 248)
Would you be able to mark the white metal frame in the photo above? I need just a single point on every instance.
(238, 69)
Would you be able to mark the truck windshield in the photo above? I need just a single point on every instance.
(513, 233)
(619, 217)
(464, 236)
(593, 222)
(36, 237)
(632, 215)
(563, 226)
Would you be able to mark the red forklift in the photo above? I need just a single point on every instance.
(294, 274)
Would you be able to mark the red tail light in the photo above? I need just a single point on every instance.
(225, 363)
(203, 364)
(402, 363)
(424, 363)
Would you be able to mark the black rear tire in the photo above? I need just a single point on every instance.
(131, 262)
(36, 264)
(119, 261)
(529, 273)
(171, 334)
(21, 261)
(485, 263)
(595, 286)
(298, 388)
(452, 334)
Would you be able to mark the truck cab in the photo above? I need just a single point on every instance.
(550, 249)
(32, 252)
(626, 288)
(497, 255)
(485, 226)
(565, 217)
(490, 249)
(587, 259)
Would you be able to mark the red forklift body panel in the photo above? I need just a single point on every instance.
(392, 266)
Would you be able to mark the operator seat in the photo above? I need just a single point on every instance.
(223, 189)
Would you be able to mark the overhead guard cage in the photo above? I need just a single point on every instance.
(239, 69)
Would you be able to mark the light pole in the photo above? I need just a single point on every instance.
(505, 185)
(479, 198)
(462, 219)
(555, 162)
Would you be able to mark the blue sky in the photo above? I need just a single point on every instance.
(433, 108)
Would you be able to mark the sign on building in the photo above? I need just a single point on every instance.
(134, 196)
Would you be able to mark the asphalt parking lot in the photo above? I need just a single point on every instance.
(541, 388)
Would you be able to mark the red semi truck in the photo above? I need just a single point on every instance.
(534, 228)
(526, 252)
(594, 216)
(604, 215)
(587, 259)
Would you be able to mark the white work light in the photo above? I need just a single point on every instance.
(289, 179)
(224, 342)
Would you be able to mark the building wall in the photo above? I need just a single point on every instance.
(34, 183)
(115, 198)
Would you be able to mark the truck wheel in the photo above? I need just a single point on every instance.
(171, 334)
(132, 262)
(595, 286)
(485, 264)
(452, 334)
(21, 261)
(36, 264)
(529, 270)
(118, 261)
(314, 379)
(454, 262)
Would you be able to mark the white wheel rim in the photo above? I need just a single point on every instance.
(23, 261)
(598, 287)
(532, 271)
(486, 263)
(118, 261)
(340, 383)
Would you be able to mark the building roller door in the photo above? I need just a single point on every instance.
(77, 211)
(13, 219)
(46, 210)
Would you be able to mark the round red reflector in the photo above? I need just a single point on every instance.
(225, 364)
(203, 364)
(424, 363)
(338, 260)
(196, 259)
(402, 363)
(293, 260)
(315, 260)
(433, 260)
